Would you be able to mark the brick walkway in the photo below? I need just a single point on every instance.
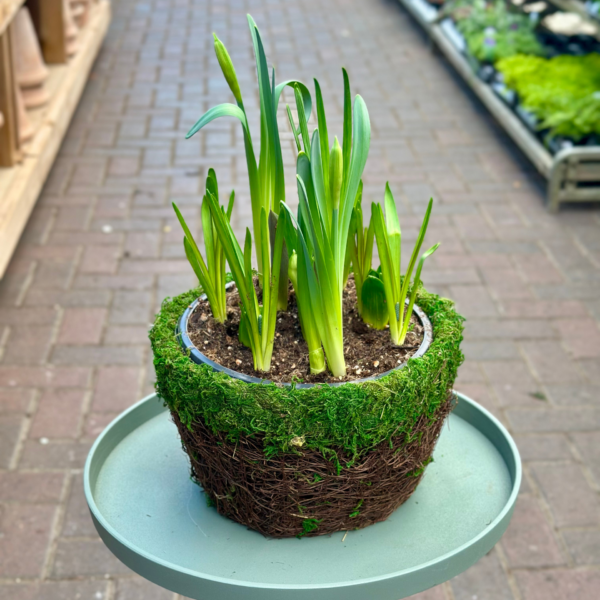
(102, 249)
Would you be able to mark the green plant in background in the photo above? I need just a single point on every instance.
(361, 248)
(266, 178)
(563, 92)
(328, 183)
(389, 237)
(211, 274)
(493, 31)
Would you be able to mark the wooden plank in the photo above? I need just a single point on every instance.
(24, 182)
(8, 9)
(9, 133)
(49, 22)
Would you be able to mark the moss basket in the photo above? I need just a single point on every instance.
(293, 460)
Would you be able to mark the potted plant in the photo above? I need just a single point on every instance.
(308, 395)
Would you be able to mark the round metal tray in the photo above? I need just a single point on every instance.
(156, 520)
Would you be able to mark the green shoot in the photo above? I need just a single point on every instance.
(321, 231)
(388, 236)
(211, 274)
(259, 321)
(266, 177)
(360, 248)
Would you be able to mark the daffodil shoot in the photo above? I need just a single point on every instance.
(317, 245)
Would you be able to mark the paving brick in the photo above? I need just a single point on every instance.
(581, 337)
(25, 536)
(76, 558)
(588, 445)
(522, 395)
(543, 447)
(116, 388)
(28, 316)
(136, 335)
(99, 259)
(490, 350)
(97, 422)
(77, 521)
(10, 431)
(58, 414)
(551, 363)
(142, 244)
(508, 329)
(30, 487)
(27, 345)
(574, 394)
(436, 593)
(96, 355)
(82, 326)
(14, 401)
(529, 540)
(48, 376)
(554, 419)
(55, 590)
(583, 545)
(511, 372)
(485, 580)
(68, 298)
(131, 308)
(473, 301)
(572, 502)
(136, 588)
(543, 309)
(60, 455)
(558, 584)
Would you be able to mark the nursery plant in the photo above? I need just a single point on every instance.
(494, 31)
(273, 454)
(563, 92)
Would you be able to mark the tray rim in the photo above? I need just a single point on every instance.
(493, 531)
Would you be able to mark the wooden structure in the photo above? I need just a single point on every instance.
(25, 166)
(573, 174)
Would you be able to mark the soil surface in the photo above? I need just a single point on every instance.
(367, 351)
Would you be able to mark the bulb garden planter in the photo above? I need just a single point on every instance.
(327, 456)
(306, 460)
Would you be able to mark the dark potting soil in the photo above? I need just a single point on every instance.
(367, 351)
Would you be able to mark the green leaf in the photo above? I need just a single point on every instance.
(222, 110)
(347, 137)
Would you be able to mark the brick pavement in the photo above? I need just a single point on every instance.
(102, 248)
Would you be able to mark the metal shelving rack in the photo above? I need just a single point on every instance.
(573, 174)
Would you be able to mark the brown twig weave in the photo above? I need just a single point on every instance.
(275, 496)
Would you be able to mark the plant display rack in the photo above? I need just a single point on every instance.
(573, 174)
(24, 167)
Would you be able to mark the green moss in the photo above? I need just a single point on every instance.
(352, 417)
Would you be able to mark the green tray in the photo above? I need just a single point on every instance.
(156, 520)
